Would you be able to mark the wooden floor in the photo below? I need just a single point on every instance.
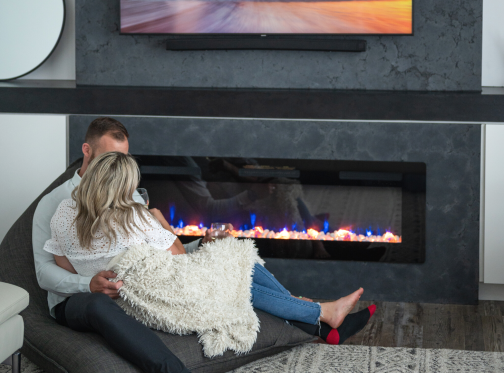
(477, 328)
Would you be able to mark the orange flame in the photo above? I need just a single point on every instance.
(283, 235)
(311, 234)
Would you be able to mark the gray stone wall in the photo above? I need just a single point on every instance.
(444, 54)
(451, 153)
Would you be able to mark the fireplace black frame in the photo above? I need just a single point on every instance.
(409, 176)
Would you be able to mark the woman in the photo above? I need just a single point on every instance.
(102, 220)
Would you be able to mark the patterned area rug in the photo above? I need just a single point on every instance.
(319, 358)
(362, 359)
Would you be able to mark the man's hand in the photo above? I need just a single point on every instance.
(208, 237)
(100, 284)
(212, 235)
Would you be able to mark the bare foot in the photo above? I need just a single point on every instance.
(335, 312)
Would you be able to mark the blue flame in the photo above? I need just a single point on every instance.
(172, 213)
(369, 232)
(294, 226)
(201, 225)
(181, 223)
(252, 219)
(378, 232)
(326, 226)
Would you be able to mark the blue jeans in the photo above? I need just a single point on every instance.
(270, 296)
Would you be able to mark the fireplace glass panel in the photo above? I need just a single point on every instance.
(296, 209)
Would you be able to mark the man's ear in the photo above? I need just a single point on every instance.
(86, 150)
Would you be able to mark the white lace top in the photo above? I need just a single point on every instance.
(64, 240)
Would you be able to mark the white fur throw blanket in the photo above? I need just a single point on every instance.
(207, 292)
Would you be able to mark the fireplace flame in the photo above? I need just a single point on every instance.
(310, 234)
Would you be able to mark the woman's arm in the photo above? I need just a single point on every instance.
(63, 262)
(177, 247)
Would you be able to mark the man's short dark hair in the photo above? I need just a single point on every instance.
(105, 126)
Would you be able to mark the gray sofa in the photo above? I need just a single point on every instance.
(55, 348)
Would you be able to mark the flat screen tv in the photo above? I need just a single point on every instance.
(279, 17)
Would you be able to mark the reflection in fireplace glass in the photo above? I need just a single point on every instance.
(312, 209)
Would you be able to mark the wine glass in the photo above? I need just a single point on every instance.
(220, 230)
(145, 196)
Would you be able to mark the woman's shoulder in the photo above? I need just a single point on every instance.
(64, 213)
(149, 220)
(66, 206)
(68, 202)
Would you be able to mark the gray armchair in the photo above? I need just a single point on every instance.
(55, 348)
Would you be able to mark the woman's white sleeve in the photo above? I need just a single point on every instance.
(161, 238)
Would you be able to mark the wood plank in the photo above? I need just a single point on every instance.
(456, 330)
(491, 308)
(435, 326)
(385, 329)
(492, 333)
(473, 328)
(500, 305)
(408, 325)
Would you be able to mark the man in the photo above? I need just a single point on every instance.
(88, 301)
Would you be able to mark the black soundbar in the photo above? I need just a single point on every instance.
(285, 43)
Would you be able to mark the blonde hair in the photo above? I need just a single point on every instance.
(105, 195)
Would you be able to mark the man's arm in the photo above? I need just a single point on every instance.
(193, 246)
(50, 276)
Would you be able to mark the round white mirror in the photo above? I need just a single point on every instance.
(29, 32)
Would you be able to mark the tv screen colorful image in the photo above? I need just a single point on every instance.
(267, 17)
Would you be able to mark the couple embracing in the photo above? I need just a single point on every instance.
(81, 225)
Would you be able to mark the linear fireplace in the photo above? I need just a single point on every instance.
(295, 208)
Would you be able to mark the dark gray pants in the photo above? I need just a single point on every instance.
(95, 312)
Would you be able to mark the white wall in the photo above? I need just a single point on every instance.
(32, 154)
(493, 216)
(61, 64)
(493, 44)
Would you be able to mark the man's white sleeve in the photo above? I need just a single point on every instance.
(51, 277)
(192, 246)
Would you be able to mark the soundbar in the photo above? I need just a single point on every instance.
(178, 43)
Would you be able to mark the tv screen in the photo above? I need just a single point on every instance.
(344, 17)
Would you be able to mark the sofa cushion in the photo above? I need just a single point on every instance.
(59, 349)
